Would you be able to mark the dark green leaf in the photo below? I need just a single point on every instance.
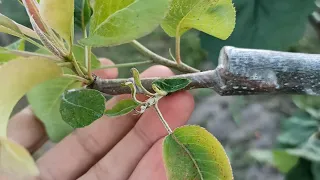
(310, 150)
(45, 101)
(315, 168)
(279, 159)
(79, 53)
(172, 85)
(122, 107)
(297, 130)
(82, 13)
(262, 24)
(300, 171)
(79, 108)
(191, 152)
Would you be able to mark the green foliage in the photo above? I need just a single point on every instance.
(297, 129)
(82, 13)
(22, 70)
(301, 170)
(79, 54)
(191, 152)
(8, 26)
(117, 22)
(309, 104)
(79, 108)
(123, 107)
(279, 159)
(213, 17)
(172, 85)
(309, 150)
(58, 14)
(261, 24)
(45, 101)
(6, 55)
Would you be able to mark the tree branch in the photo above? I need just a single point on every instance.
(245, 72)
(161, 60)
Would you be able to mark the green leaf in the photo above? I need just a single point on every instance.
(8, 26)
(18, 45)
(117, 22)
(172, 85)
(45, 101)
(16, 161)
(6, 55)
(17, 77)
(310, 104)
(260, 24)
(123, 107)
(315, 168)
(310, 150)
(214, 17)
(191, 152)
(58, 14)
(301, 170)
(79, 53)
(279, 159)
(82, 13)
(79, 108)
(297, 130)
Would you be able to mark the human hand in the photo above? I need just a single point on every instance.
(127, 147)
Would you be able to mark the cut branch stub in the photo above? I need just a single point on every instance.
(245, 72)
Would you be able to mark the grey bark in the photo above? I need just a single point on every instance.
(245, 72)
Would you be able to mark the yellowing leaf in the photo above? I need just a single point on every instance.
(191, 152)
(115, 22)
(15, 160)
(8, 26)
(58, 14)
(17, 77)
(214, 17)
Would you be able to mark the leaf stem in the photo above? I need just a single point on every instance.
(164, 122)
(81, 79)
(65, 64)
(126, 65)
(29, 54)
(87, 54)
(161, 60)
(178, 56)
(76, 66)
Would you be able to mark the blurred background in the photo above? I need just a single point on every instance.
(266, 137)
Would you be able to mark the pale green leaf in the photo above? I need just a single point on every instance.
(79, 108)
(279, 159)
(123, 107)
(79, 53)
(16, 161)
(172, 85)
(8, 26)
(17, 77)
(18, 45)
(58, 14)
(45, 101)
(191, 152)
(117, 22)
(214, 17)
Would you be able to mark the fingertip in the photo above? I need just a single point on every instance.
(157, 70)
(107, 73)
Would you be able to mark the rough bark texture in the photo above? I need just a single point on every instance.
(246, 72)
